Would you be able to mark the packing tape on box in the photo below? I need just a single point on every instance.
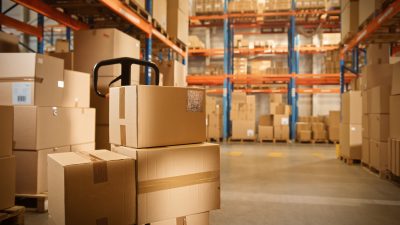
(178, 181)
(100, 174)
(22, 79)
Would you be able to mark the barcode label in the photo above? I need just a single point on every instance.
(22, 93)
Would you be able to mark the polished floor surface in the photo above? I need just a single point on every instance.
(293, 184)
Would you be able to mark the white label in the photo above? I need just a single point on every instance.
(60, 84)
(285, 121)
(195, 100)
(293, 92)
(250, 133)
(353, 129)
(21, 93)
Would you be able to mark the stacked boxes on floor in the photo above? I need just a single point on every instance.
(349, 18)
(51, 113)
(243, 116)
(92, 46)
(266, 128)
(214, 118)
(376, 94)
(394, 140)
(7, 161)
(312, 128)
(178, 20)
(304, 131)
(350, 126)
(280, 112)
(334, 126)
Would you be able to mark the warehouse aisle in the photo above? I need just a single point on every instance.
(300, 184)
(295, 184)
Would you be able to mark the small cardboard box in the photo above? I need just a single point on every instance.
(378, 127)
(38, 128)
(378, 155)
(62, 46)
(243, 129)
(32, 169)
(34, 79)
(175, 181)
(265, 132)
(76, 89)
(394, 116)
(150, 116)
(197, 219)
(6, 130)
(351, 141)
(7, 182)
(174, 74)
(351, 107)
(365, 154)
(379, 99)
(178, 23)
(101, 182)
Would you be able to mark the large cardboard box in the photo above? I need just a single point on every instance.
(31, 79)
(365, 154)
(149, 116)
(265, 132)
(349, 19)
(281, 132)
(351, 107)
(160, 13)
(76, 89)
(243, 129)
(8, 42)
(6, 130)
(175, 181)
(367, 8)
(197, 219)
(379, 155)
(47, 127)
(103, 137)
(68, 58)
(281, 120)
(92, 46)
(32, 169)
(378, 53)
(351, 141)
(7, 182)
(378, 75)
(394, 116)
(396, 79)
(100, 182)
(182, 5)
(283, 109)
(177, 23)
(379, 99)
(304, 135)
(266, 120)
(365, 126)
(378, 127)
(174, 74)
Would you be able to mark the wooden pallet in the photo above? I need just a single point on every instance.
(37, 202)
(393, 178)
(159, 28)
(134, 6)
(349, 161)
(242, 140)
(211, 139)
(321, 141)
(281, 141)
(305, 142)
(261, 140)
(13, 215)
(382, 174)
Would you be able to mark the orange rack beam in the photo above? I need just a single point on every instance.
(281, 90)
(21, 26)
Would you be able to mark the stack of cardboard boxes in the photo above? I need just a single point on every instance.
(334, 126)
(243, 116)
(51, 113)
(159, 170)
(214, 118)
(332, 62)
(209, 6)
(349, 18)
(178, 20)
(7, 160)
(312, 129)
(304, 131)
(280, 112)
(266, 128)
(376, 94)
(240, 66)
(394, 140)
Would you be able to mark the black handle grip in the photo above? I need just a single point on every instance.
(125, 76)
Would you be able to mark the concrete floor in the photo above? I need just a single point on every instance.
(284, 184)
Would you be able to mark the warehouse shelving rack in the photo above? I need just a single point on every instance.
(279, 22)
(82, 14)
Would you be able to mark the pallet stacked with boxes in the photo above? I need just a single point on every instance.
(243, 116)
(51, 114)
(376, 94)
(214, 118)
(312, 129)
(334, 126)
(304, 130)
(281, 113)
(266, 128)
(159, 171)
(394, 126)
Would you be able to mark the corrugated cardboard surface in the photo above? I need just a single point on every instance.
(351, 107)
(280, 120)
(349, 18)
(162, 193)
(34, 80)
(281, 132)
(394, 116)
(84, 147)
(8, 43)
(379, 127)
(68, 58)
(102, 137)
(394, 156)
(334, 133)
(365, 126)
(177, 22)
(365, 101)
(365, 155)
(351, 140)
(396, 79)
(76, 89)
(305, 135)
(160, 12)
(266, 120)
(243, 129)
(334, 118)
(6, 130)
(100, 183)
(32, 169)
(377, 53)
(378, 155)
(7, 182)
(265, 132)
(378, 75)
(379, 99)
(47, 127)
(150, 116)
(196, 219)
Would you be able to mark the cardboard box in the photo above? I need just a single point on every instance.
(7, 182)
(379, 99)
(365, 126)
(160, 13)
(135, 118)
(367, 8)
(283, 109)
(334, 118)
(6, 130)
(38, 128)
(34, 80)
(379, 127)
(277, 98)
(351, 107)
(101, 182)
(281, 132)
(197, 219)
(32, 169)
(303, 126)
(378, 75)
(281, 120)
(243, 129)
(319, 135)
(396, 79)
(178, 23)
(379, 155)
(76, 89)
(378, 53)
(83, 147)
(107, 44)
(334, 134)
(174, 74)
(182, 5)
(304, 135)
(349, 19)
(265, 132)
(103, 137)
(365, 154)
(394, 116)
(365, 101)
(351, 141)
(68, 58)
(175, 181)
(266, 120)
(394, 156)
(9, 42)
(62, 46)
